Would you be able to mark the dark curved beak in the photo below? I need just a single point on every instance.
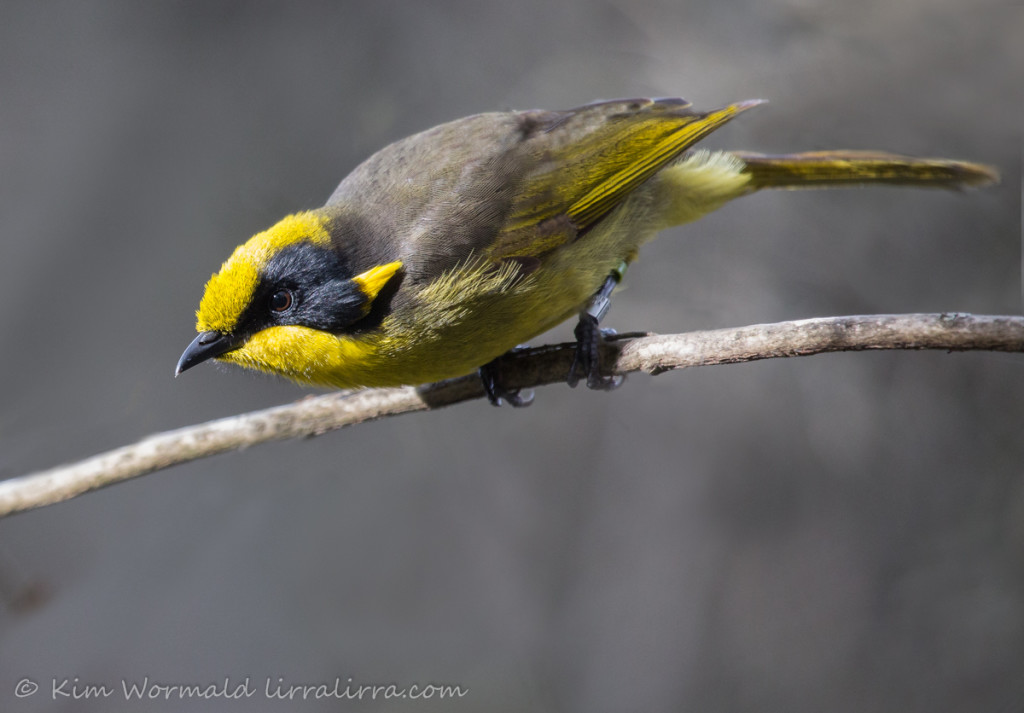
(207, 345)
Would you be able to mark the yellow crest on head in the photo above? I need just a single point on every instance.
(230, 290)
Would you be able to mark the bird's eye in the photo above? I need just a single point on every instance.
(281, 301)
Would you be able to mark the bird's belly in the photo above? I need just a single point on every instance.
(484, 330)
(452, 328)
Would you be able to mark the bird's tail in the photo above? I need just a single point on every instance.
(830, 168)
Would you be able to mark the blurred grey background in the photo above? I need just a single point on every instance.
(840, 533)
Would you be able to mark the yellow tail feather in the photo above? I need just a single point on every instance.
(828, 168)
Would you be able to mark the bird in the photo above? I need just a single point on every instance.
(446, 249)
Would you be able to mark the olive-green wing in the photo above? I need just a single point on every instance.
(588, 160)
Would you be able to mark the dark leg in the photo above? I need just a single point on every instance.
(490, 375)
(589, 337)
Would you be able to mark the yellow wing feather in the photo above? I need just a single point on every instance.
(614, 148)
(607, 194)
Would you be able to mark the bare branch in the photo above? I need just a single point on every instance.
(524, 369)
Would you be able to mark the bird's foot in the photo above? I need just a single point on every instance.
(587, 360)
(497, 392)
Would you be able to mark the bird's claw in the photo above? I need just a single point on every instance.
(587, 359)
(497, 392)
